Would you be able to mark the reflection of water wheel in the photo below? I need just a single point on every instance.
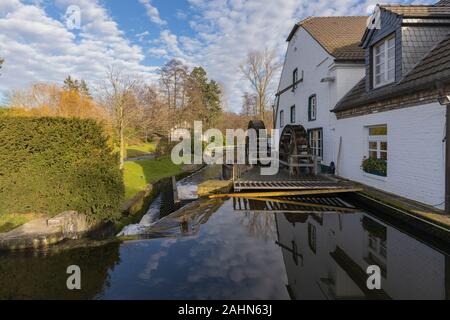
(293, 141)
(255, 125)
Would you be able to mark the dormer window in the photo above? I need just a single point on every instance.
(384, 62)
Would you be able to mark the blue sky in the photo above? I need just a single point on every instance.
(134, 20)
(141, 35)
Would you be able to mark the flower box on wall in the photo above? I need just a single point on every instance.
(377, 167)
(377, 173)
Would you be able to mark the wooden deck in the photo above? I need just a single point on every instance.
(253, 180)
(283, 193)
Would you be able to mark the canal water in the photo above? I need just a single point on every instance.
(215, 249)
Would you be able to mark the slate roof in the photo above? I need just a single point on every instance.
(418, 42)
(435, 66)
(443, 3)
(418, 11)
(339, 36)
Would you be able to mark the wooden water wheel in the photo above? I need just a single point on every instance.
(293, 142)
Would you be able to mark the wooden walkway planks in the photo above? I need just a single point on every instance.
(253, 180)
(288, 185)
(285, 193)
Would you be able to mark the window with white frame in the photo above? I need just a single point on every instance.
(378, 246)
(316, 142)
(281, 118)
(377, 253)
(384, 62)
(378, 145)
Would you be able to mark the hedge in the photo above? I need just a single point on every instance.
(51, 165)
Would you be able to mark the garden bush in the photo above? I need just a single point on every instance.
(51, 165)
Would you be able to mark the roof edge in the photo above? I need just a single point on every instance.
(386, 94)
(294, 30)
(299, 24)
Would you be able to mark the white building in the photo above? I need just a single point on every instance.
(385, 113)
(323, 62)
(392, 113)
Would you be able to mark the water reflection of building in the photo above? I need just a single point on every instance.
(327, 255)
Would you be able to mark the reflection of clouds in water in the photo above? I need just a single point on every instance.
(226, 253)
(167, 243)
(223, 261)
(154, 259)
(181, 262)
(152, 265)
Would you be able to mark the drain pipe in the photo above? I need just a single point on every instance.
(447, 160)
(444, 100)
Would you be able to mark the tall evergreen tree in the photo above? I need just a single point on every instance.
(210, 95)
(71, 84)
(1, 63)
(213, 101)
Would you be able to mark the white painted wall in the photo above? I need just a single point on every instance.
(306, 54)
(416, 152)
(415, 146)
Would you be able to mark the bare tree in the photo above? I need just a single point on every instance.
(154, 118)
(230, 120)
(249, 104)
(260, 69)
(38, 95)
(119, 98)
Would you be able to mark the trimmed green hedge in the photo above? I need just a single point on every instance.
(51, 165)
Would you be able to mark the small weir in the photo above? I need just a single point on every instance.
(173, 196)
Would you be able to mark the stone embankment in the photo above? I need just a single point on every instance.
(43, 232)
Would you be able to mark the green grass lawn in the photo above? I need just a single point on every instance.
(138, 174)
(140, 150)
(9, 222)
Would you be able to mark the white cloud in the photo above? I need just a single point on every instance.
(8, 5)
(227, 30)
(181, 15)
(168, 45)
(153, 13)
(37, 47)
(141, 36)
(158, 52)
